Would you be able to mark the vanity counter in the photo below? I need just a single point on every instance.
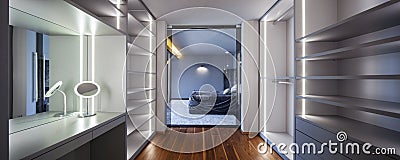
(57, 138)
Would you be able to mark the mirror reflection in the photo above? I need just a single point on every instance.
(87, 89)
(43, 53)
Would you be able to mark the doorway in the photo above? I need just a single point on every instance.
(203, 70)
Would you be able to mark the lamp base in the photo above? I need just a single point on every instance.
(83, 115)
(61, 114)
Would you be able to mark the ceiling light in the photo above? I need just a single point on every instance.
(227, 52)
(202, 69)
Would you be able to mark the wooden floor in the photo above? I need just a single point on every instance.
(237, 146)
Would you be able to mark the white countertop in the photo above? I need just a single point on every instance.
(43, 138)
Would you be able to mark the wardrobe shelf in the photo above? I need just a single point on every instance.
(136, 28)
(383, 16)
(138, 50)
(139, 72)
(138, 90)
(135, 104)
(141, 15)
(378, 47)
(138, 121)
(103, 8)
(373, 106)
(278, 78)
(377, 136)
(136, 140)
(355, 77)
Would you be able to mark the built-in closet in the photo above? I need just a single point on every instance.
(348, 79)
(277, 72)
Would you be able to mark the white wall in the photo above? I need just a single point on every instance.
(64, 53)
(24, 44)
(161, 75)
(109, 60)
(250, 77)
(318, 14)
(348, 8)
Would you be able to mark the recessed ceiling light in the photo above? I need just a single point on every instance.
(227, 52)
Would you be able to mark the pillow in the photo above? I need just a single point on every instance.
(227, 91)
(234, 89)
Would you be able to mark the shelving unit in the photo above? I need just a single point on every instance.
(345, 72)
(277, 77)
(141, 80)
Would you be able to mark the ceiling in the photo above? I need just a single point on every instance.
(208, 12)
(205, 41)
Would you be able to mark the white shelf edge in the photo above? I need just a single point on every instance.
(138, 90)
(373, 106)
(133, 107)
(136, 126)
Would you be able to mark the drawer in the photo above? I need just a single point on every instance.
(317, 133)
(66, 148)
(323, 136)
(302, 138)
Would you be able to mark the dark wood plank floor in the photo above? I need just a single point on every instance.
(237, 147)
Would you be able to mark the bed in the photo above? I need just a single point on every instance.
(205, 102)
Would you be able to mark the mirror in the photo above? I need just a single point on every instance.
(50, 41)
(53, 89)
(87, 89)
(45, 49)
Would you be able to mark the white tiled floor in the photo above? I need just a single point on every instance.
(180, 116)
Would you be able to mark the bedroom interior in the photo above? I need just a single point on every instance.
(203, 77)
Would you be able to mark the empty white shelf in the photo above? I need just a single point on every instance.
(383, 46)
(136, 28)
(138, 121)
(374, 106)
(135, 50)
(394, 76)
(364, 132)
(138, 90)
(380, 17)
(134, 104)
(140, 72)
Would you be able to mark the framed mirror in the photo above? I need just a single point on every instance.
(87, 90)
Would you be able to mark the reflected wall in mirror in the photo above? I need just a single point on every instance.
(51, 41)
(43, 53)
(39, 61)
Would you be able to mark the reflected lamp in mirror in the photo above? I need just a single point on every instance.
(87, 90)
(52, 91)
